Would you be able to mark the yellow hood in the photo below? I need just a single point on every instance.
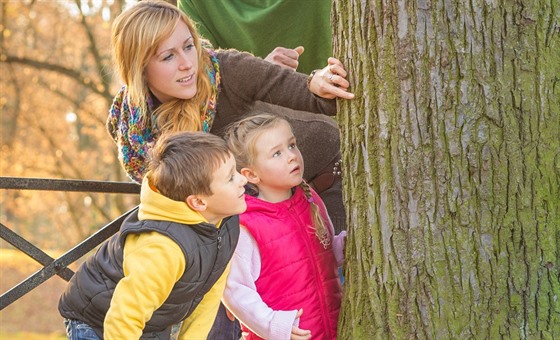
(155, 206)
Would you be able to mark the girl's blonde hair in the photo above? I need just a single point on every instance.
(241, 138)
(135, 37)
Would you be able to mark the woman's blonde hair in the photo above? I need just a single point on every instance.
(135, 37)
(241, 138)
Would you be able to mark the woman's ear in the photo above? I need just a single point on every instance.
(251, 176)
(196, 203)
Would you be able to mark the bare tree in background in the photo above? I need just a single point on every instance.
(452, 162)
(56, 89)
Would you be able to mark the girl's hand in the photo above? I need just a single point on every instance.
(330, 82)
(298, 333)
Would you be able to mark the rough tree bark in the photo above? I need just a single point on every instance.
(452, 159)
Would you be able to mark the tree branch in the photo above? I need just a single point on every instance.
(77, 76)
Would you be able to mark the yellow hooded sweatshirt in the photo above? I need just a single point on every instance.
(152, 264)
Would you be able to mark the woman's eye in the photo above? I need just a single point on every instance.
(188, 47)
(168, 57)
(276, 154)
(292, 146)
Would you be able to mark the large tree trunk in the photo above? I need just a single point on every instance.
(452, 168)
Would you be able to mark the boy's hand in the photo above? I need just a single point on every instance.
(230, 315)
(298, 333)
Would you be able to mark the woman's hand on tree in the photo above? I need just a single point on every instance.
(330, 82)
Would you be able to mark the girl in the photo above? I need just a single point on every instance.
(283, 282)
(174, 82)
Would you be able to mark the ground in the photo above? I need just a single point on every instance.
(35, 315)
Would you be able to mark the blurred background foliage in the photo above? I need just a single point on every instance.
(56, 87)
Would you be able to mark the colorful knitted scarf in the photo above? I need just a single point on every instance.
(134, 137)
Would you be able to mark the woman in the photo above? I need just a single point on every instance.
(173, 82)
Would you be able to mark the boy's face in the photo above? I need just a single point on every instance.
(228, 193)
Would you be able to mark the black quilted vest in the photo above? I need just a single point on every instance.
(207, 250)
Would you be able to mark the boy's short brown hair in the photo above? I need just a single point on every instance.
(183, 163)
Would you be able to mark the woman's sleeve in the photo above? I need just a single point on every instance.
(243, 300)
(247, 78)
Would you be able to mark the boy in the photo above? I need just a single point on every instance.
(171, 255)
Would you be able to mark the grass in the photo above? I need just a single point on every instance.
(29, 336)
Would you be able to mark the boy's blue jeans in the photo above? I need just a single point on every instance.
(78, 330)
(223, 329)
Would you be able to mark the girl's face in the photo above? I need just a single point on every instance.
(172, 72)
(278, 163)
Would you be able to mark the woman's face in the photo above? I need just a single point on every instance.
(172, 72)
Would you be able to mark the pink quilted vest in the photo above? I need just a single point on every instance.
(296, 270)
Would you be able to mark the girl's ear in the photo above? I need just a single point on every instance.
(196, 203)
(251, 176)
